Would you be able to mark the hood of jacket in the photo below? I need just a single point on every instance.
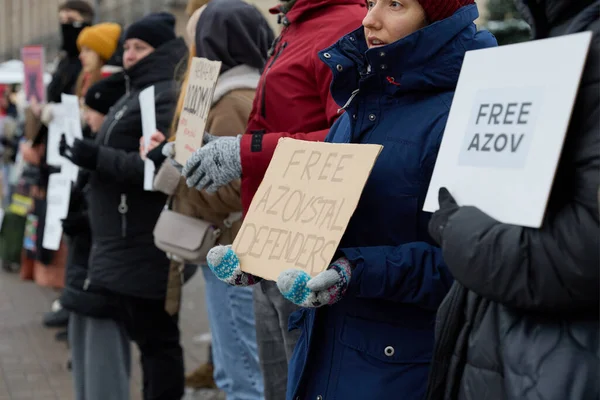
(233, 32)
(427, 60)
(542, 15)
(302, 9)
(237, 78)
(159, 66)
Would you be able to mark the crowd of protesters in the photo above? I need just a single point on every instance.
(452, 305)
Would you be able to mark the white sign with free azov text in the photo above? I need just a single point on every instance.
(507, 125)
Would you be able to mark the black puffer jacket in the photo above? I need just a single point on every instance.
(78, 296)
(521, 321)
(122, 215)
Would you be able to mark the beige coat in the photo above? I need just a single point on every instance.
(228, 117)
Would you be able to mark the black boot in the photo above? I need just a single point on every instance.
(56, 319)
(62, 336)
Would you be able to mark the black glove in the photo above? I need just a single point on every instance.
(63, 147)
(156, 155)
(83, 153)
(76, 224)
(440, 218)
(51, 169)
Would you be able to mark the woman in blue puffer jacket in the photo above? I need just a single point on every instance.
(368, 322)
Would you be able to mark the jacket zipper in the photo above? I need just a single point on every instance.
(118, 115)
(345, 106)
(127, 84)
(264, 82)
(123, 208)
(439, 366)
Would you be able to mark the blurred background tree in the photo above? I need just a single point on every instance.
(505, 22)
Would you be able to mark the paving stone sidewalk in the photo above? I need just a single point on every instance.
(33, 364)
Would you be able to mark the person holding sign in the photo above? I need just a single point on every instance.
(292, 100)
(124, 260)
(367, 322)
(521, 321)
(230, 309)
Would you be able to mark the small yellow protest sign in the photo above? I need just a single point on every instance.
(203, 76)
(301, 209)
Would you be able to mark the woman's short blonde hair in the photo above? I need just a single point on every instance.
(193, 5)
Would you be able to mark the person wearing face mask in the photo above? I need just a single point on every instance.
(124, 261)
(521, 321)
(367, 322)
(73, 16)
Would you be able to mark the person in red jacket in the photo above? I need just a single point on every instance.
(292, 100)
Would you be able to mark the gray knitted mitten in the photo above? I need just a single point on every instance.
(225, 264)
(214, 165)
(328, 287)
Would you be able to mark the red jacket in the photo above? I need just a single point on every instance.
(293, 98)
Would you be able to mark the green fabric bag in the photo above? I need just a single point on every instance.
(11, 237)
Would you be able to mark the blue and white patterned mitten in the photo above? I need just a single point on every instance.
(225, 264)
(328, 287)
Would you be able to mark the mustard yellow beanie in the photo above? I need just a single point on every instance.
(101, 38)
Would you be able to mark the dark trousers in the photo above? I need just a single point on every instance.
(157, 335)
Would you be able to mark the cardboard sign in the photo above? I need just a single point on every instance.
(33, 67)
(202, 80)
(301, 209)
(58, 197)
(507, 126)
(148, 128)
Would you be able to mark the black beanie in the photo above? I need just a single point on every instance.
(155, 29)
(102, 95)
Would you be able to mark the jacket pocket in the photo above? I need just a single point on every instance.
(387, 342)
(296, 320)
(386, 361)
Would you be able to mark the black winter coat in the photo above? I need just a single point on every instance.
(78, 296)
(521, 321)
(64, 78)
(122, 215)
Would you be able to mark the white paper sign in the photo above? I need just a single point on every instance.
(72, 129)
(57, 200)
(71, 108)
(507, 126)
(148, 128)
(55, 130)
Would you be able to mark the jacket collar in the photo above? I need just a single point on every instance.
(429, 59)
(302, 9)
(158, 66)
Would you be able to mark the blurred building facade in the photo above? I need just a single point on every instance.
(27, 22)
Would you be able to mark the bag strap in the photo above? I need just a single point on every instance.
(169, 205)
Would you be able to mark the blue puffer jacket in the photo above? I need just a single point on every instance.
(377, 342)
